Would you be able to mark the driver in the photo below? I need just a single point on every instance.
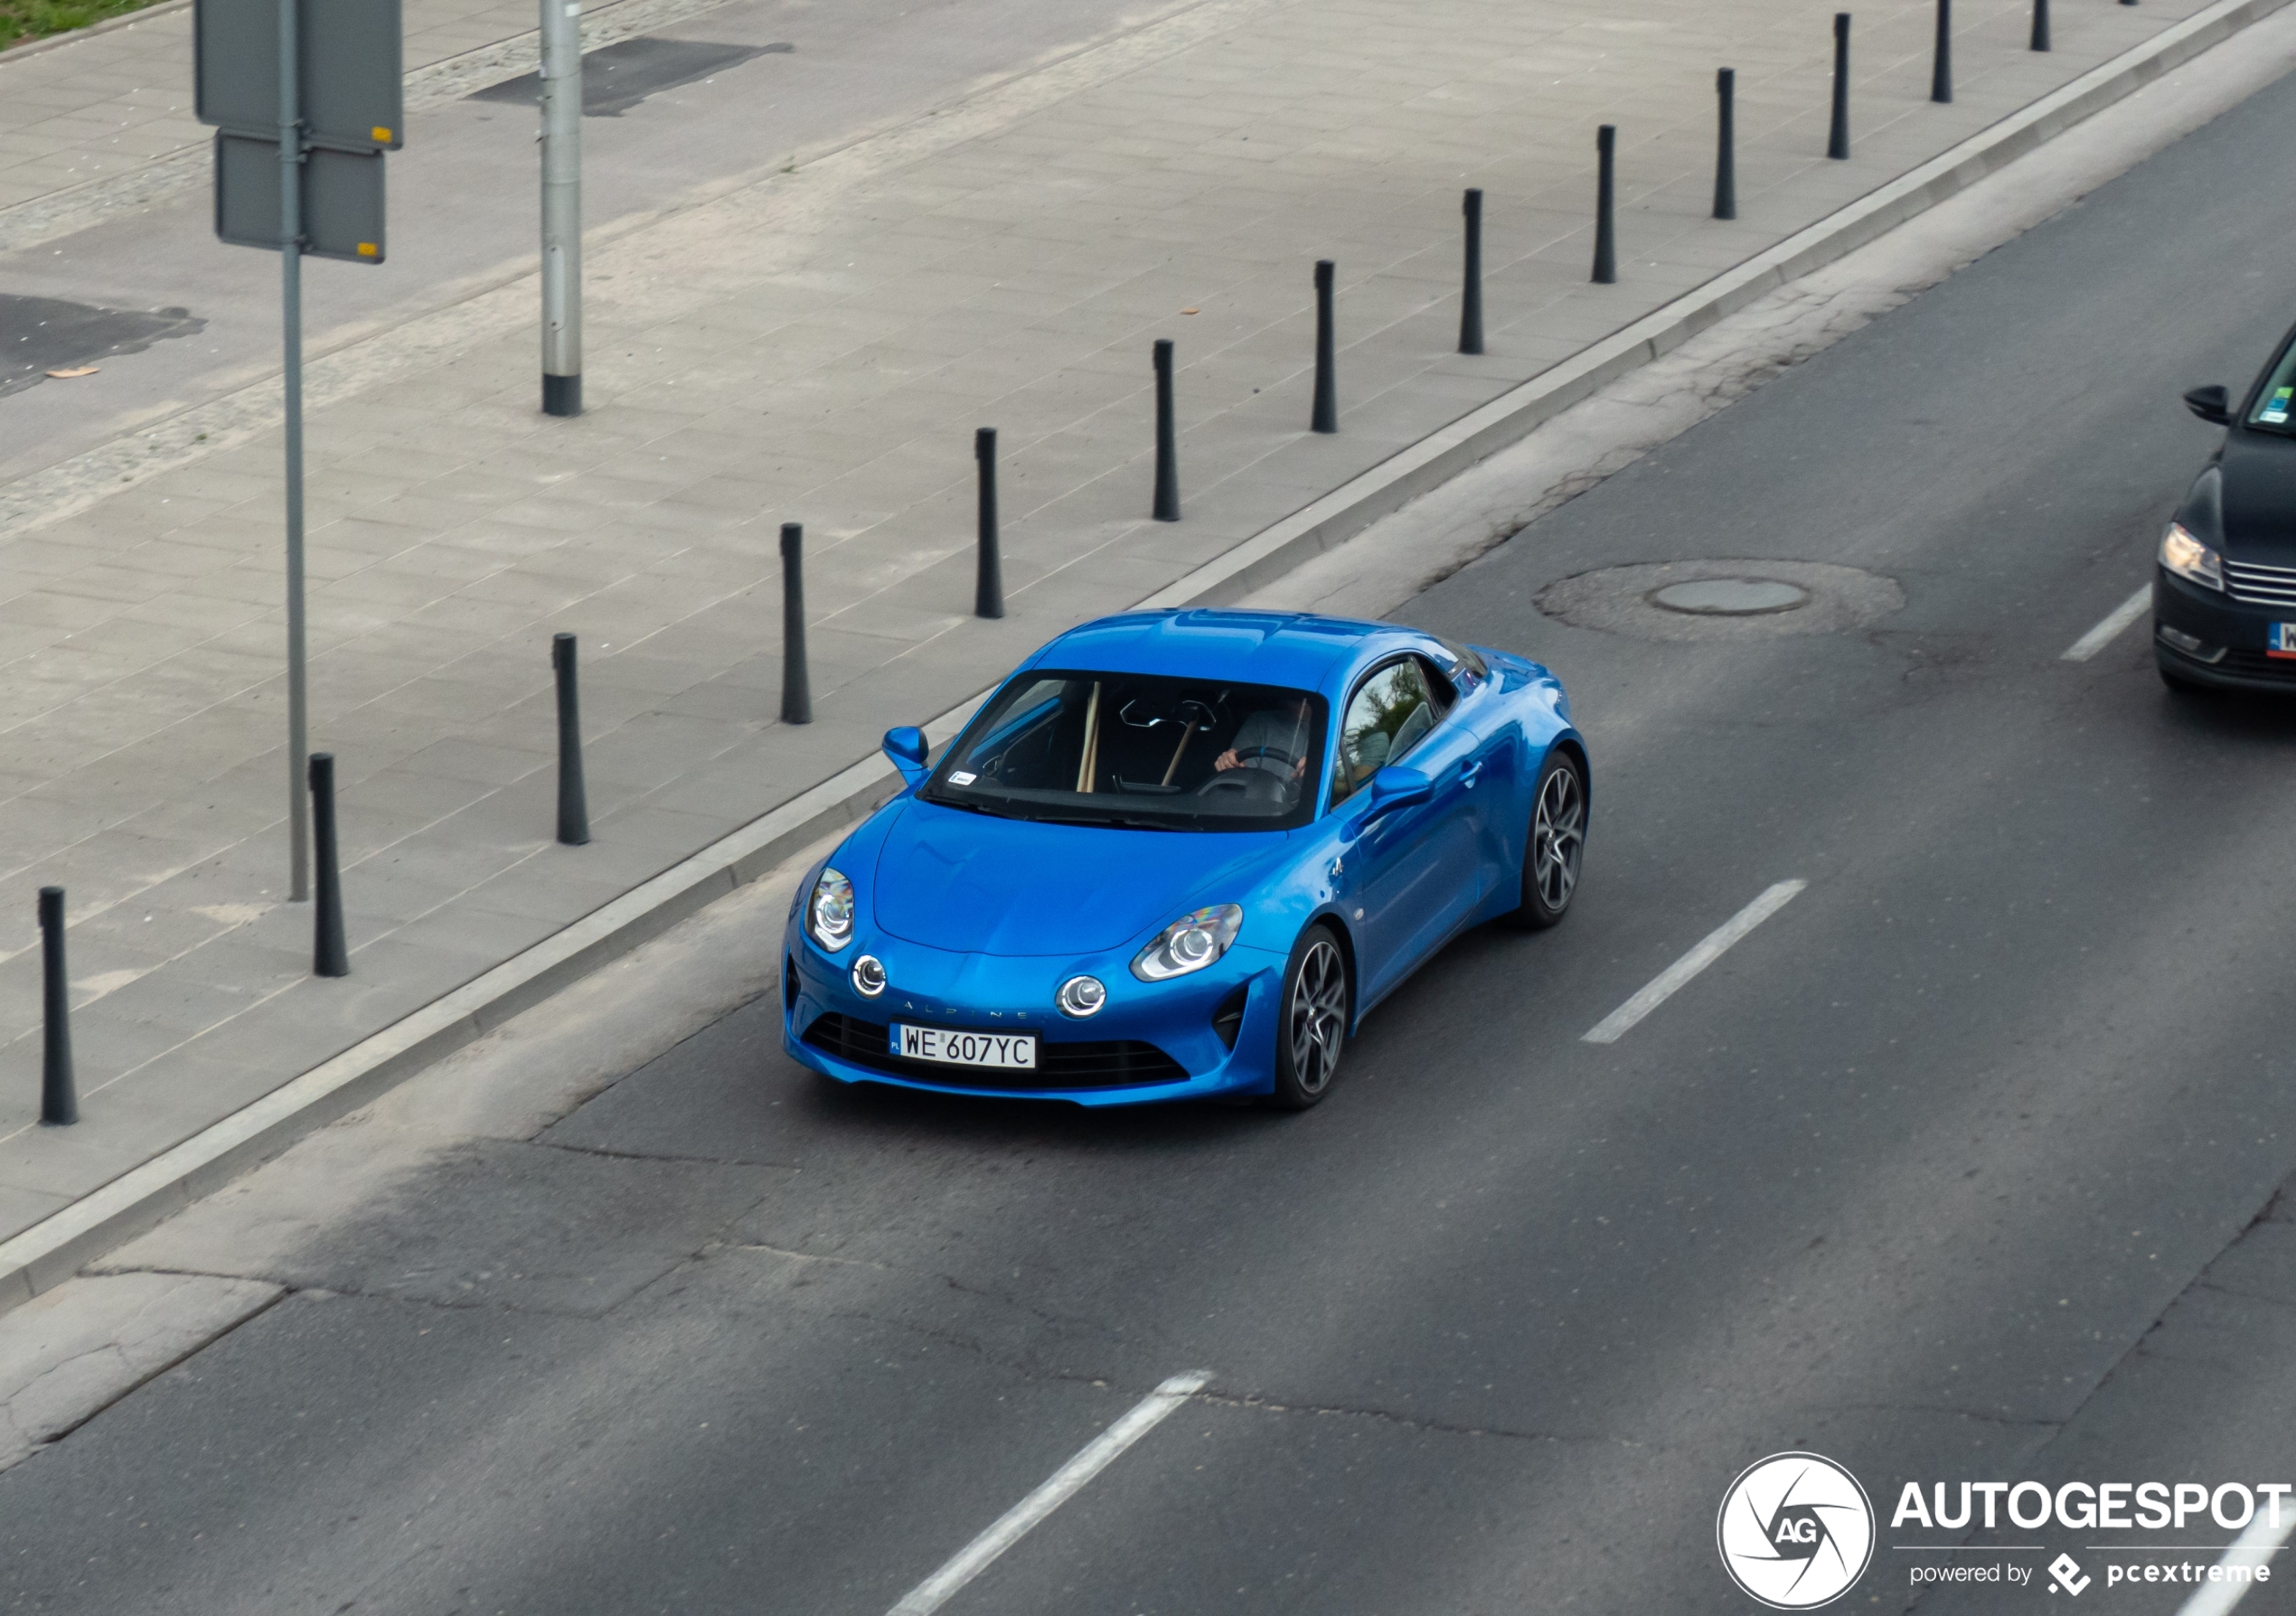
(1273, 738)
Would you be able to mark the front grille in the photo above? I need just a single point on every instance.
(2255, 664)
(1115, 1063)
(2259, 584)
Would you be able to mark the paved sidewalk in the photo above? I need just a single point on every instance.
(819, 346)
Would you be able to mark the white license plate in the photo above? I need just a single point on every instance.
(2282, 642)
(1008, 1051)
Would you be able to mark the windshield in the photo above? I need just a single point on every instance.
(2276, 399)
(1139, 751)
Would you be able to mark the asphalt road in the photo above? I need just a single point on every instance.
(1912, 1177)
(465, 205)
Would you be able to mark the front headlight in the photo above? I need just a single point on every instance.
(2187, 558)
(1189, 942)
(828, 912)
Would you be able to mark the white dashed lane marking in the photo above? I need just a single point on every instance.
(1064, 1483)
(2252, 1548)
(2108, 631)
(1671, 981)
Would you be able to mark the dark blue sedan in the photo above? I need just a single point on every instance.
(1153, 868)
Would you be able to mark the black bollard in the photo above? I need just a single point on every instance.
(1326, 418)
(1838, 140)
(1725, 145)
(330, 956)
(988, 579)
(1165, 502)
(1470, 297)
(2040, 25)
(573, 802)
(797, 690)
(1605, 236)
(59, 1105)
(1941, 67)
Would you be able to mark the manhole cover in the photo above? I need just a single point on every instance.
(1730, 596)
(1722, 599)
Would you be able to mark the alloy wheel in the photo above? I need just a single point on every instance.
(1317, 1018)
(1558, 834)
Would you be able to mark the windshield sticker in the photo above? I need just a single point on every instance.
(963, 777)
(2275, 410)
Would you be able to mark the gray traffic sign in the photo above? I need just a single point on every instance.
(349, 67)
(306, 97)
(342, 199)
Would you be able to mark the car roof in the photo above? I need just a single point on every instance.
(1294, 649)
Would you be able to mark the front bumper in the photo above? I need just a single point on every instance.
(1152, 1042)
(2210, 638)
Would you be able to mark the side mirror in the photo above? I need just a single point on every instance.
(906, 747)
(1393, 787)
(2211, 404)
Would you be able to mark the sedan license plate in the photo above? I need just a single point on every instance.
(1007, 1051)
(2282, 641)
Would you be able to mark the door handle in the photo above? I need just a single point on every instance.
(1468, 775)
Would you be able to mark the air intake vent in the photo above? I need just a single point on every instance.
(1115, 1063)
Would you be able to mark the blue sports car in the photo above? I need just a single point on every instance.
(1153, 868)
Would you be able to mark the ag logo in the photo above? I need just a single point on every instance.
(1795, 1531)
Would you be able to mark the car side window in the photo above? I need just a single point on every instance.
(1390, 713)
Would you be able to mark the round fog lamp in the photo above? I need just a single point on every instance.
(869, 976)
(1081, 996)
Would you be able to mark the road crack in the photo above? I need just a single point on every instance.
(1263, 1404)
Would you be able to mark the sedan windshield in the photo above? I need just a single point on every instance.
(2275, 407)
(1140, 751)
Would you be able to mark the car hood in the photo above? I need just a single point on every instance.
(976, 884)
(2259, 495)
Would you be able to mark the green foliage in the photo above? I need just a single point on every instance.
(36, 19)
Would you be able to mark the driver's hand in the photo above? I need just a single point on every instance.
(1228, 760)
(1299, 769)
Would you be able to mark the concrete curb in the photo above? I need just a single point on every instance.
(52, 1250)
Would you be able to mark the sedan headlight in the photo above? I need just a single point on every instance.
(2187, 558)
(828, 912)
(1189, 942)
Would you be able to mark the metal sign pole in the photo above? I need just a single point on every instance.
(291, 321)
(562, 207)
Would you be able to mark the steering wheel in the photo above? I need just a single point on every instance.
(1250, 784)
(1277, 753)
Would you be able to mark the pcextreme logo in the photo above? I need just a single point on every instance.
(1795, 1530)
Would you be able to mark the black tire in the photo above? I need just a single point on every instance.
(1312, 1019)
(1553, 844)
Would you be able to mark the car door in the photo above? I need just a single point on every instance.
(1414, 868)
(1496, 812)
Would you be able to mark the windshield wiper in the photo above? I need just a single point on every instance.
(939, 800)
(1115, 821)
